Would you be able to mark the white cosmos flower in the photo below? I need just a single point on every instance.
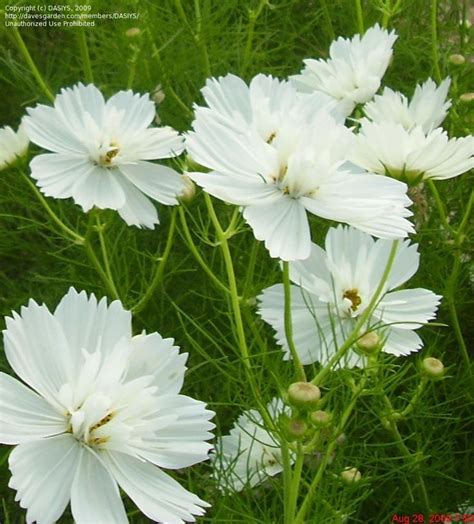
(249, 454)
(101, 151)
(427, 108)
(286, 162)
(387, 148)
(353, 72)
(98, 409)
(333, 287)
(12, 145)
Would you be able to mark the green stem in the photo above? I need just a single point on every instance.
(392, 426)
(160, 268)
(360, 16)
(328, 20)
(440, 206)
(307, 502)
(105, 255)
(78, 239)
(287, 478)
(105, 275)
(34, 70)
(253, 17)
(237, 314)
(295, 484)
(355, 334)
(434, 40)
(86, 60)
(192, 247)
(288, 324)
(414, 400)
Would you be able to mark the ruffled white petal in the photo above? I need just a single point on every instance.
(137, 112)
(157, 495)
(38, 351)
(283, 225)
(95, 497)
(24, 415)
(12, 145)
(42, 475)
(153, 354)
(91, 324)
(408, 308)
(402, 342)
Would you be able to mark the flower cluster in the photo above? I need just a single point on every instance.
(96, 409)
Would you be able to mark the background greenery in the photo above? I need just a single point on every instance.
(179, 45)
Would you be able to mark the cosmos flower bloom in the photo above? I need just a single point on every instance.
(101, 151)
(333, 287)
(98, 409)
(12, 145)
(285, 163)
(250, 453)
(427, 108)
(353, 72)
(387, 148)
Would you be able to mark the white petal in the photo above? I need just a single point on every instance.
(283, 225)
(138, 111)
(408, 308)
(95, 497)
(57, 174)
(38, 351)
(155, 143)
(236, 189)
(138, 210)
(101, 187)
(312, 332)
(46, 128)
(24, 415)
(156, 494)
(152, 354)
(92, 325)
(182, 441)
(402, 342)
(42, 474)
(158, 182)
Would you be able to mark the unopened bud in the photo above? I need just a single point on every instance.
(467, 98)
(133, 32)
(294, 428)
(350, 475)
(189, 191)
(158, 95)
(433, 368)
(304, 395)
(320, 418)
(457, 59)
(368, 343)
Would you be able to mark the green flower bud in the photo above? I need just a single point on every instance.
(320, 418)
(457, 59)
(433, 368)
(369, 343)
(133, 32)
(467, 98)
(294, 428)
(304, 395)
(350, 475)
(189, 191)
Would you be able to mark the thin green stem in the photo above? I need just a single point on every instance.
(328, 20)
(86, 60)
(192, 247)
(34, 70)
(160, 267)
(287, 479)
(253, 17)
(440, 207)
(355, 334)
(105, 256)
(392, 426)
(288, 324)
(360, 16)
(414, 400)
(308, 500)
(78, 239)
(434, 40)
(295, 484)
